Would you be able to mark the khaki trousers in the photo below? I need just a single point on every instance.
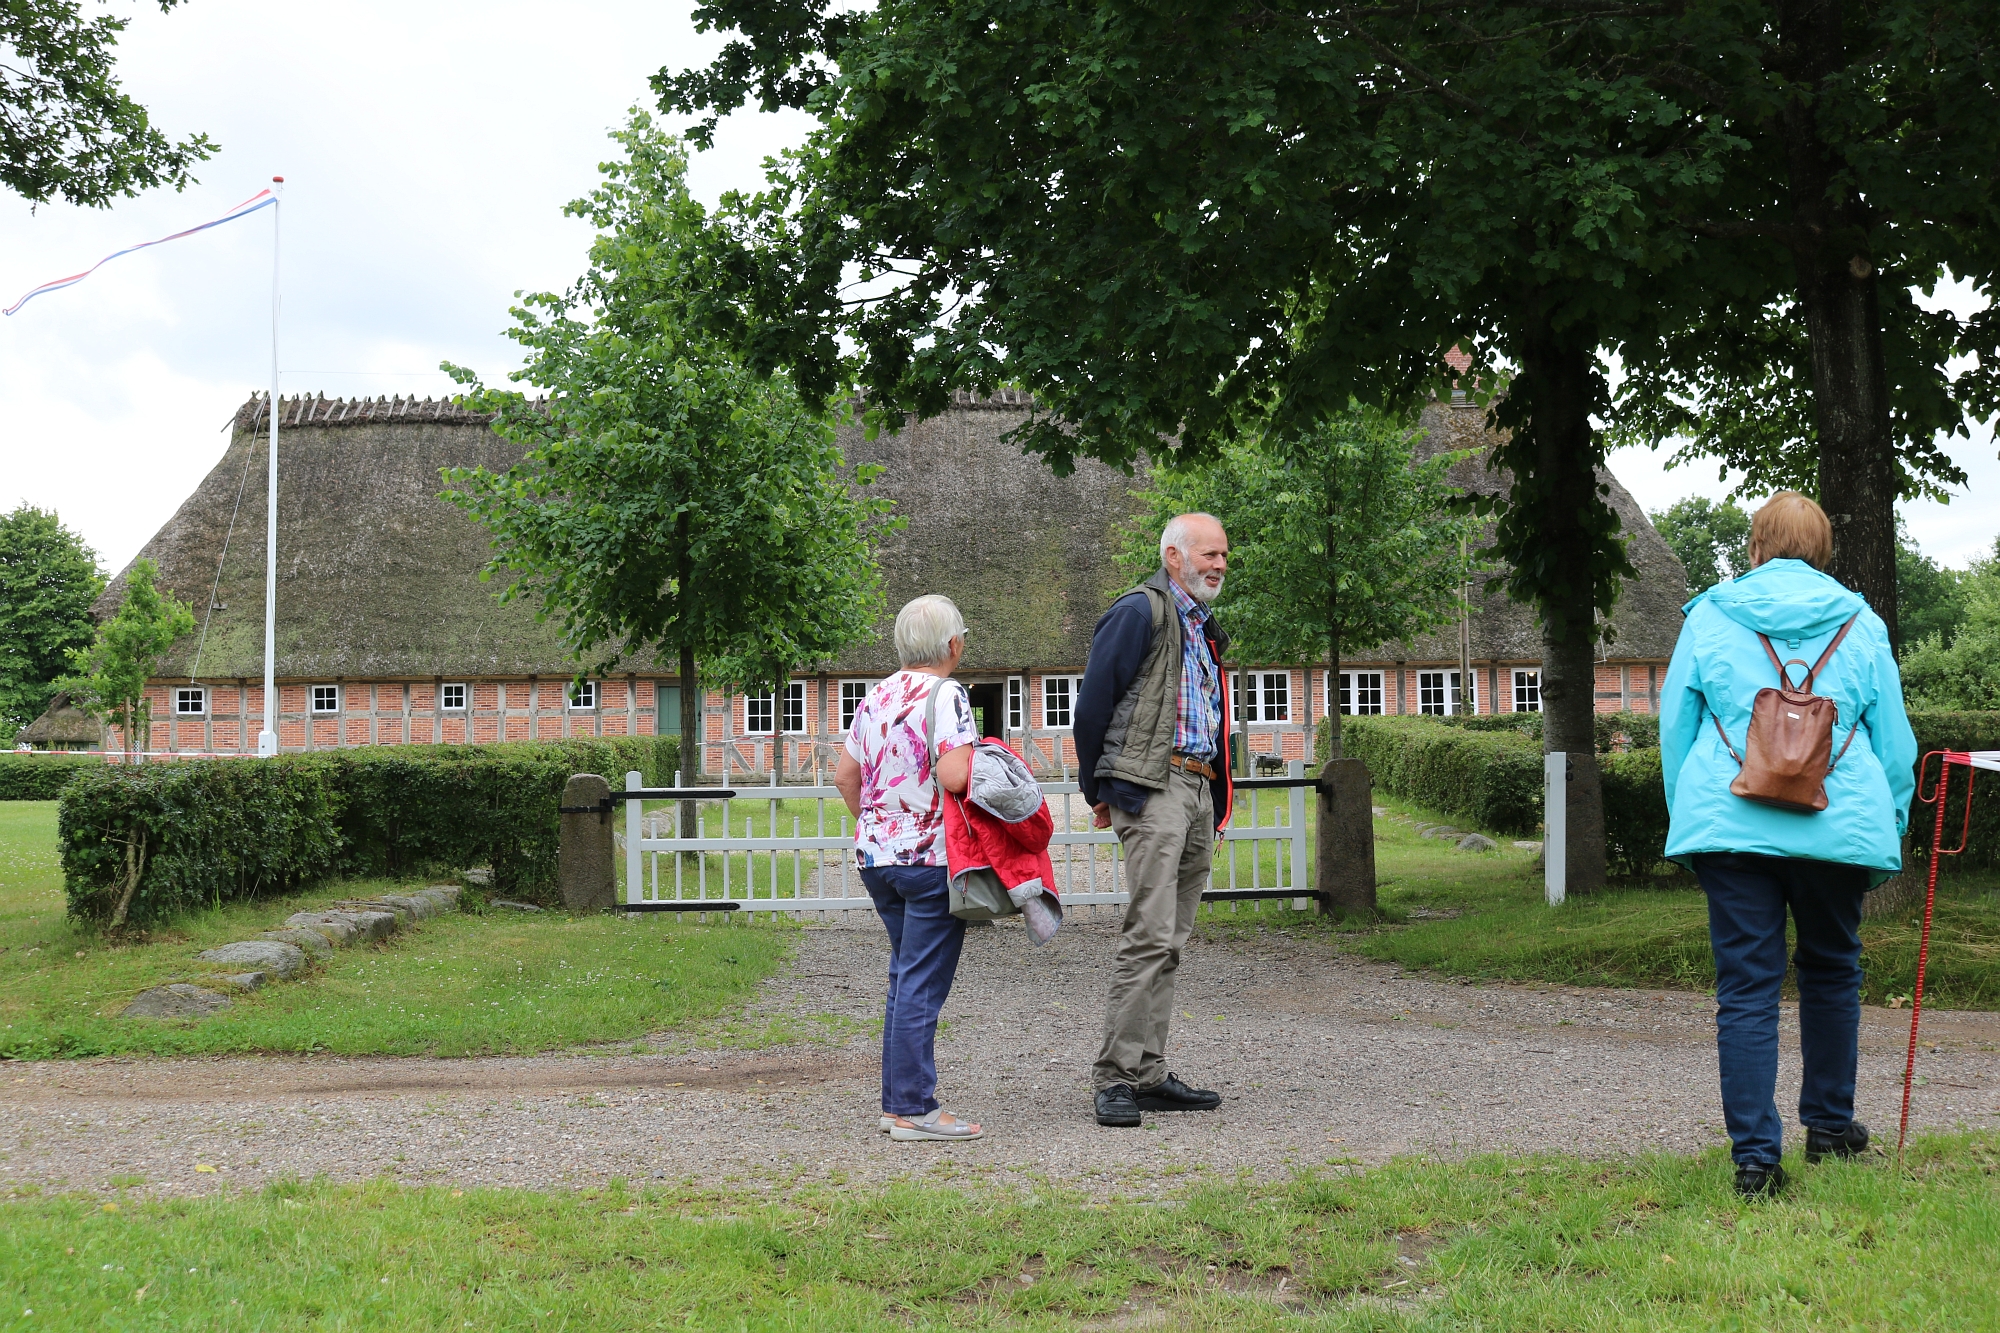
(1169, 848)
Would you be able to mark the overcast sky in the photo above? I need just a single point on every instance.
(428, 150)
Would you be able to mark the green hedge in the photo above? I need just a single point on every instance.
(1959, 731)
(222, 829)
(1488, 771)
(1615, 731)
(41, 777)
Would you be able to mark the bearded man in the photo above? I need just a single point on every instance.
(1152, 759)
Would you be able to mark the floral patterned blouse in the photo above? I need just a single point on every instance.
(902, 811)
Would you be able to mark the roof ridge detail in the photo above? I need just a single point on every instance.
(316, 409)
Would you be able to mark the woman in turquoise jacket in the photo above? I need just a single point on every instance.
(1756, 861)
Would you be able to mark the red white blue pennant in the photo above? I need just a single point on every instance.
(261, 199)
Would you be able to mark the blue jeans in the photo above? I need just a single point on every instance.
(924, 942)
(1747, 900)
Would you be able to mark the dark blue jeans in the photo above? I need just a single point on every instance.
(924, 942)
(1747, 900)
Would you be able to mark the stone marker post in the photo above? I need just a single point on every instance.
(586, 869)
(1346, 838)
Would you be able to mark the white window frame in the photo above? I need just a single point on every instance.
(314, 697)
(1253, 696)
(582, 696)
(1073, 686)
(1352, 685)
(464, 696)
(1017, 704)
(183, 694)
(1527, 682)
(766, 702)
(1449, 686)
(849, 708)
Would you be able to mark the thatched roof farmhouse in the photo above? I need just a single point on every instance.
(386, 635)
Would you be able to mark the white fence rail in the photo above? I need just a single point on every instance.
(791, 849)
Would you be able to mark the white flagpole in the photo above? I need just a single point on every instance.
(267, 739)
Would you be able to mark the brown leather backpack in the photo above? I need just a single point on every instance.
(1785, 755)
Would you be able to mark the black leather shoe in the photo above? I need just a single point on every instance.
(1849, 1142)
(1170, 1094)
(1753, 1181)
(1117, 1106)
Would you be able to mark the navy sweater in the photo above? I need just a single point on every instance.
(1118, 648)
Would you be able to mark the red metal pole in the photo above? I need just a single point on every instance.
(1924, 947)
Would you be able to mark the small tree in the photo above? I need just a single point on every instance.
(1711, 539)
(1961, 671)
(48, 579)
(670, 499)
(109, 677)
(1339, 537)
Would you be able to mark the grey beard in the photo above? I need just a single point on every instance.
(1202, 593)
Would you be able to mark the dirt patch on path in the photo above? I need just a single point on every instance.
(1319, 1057)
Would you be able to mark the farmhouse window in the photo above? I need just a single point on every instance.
(761, 711)
(190, 700)
(326, 699)
(1527, 691)
(451, 698)
(583, 695)
(852, 694)
(1361, 692)
(1059, 701)
(1017, 704)
(1438, 693)
(1264, 696)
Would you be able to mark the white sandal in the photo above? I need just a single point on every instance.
(939, 1124)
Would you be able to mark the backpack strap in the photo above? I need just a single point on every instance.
(1814, 673)
(1732, 749)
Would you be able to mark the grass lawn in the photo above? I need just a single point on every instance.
(461, 984)
(1489, 1244)
(1483, 916)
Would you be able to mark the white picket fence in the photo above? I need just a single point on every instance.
(791, 849)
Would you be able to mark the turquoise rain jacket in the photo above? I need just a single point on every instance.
(1718, 668)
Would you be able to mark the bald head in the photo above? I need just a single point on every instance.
(1195, 551)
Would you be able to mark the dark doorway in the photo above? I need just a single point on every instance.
(989, 705)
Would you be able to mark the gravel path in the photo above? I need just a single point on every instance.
(1319, 1057)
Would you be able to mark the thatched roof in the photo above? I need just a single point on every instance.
(1029, 557)
(62, 724)
(379, 578)
(1647, 619)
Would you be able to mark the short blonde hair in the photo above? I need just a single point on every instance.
(1791, 526)
(925, 628)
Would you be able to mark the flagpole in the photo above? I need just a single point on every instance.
(267, 739)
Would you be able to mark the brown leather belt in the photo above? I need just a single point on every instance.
(1187, 763)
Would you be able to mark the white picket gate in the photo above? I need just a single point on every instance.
(780, 849)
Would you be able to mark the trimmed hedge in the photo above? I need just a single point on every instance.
(1488, 771)
(41, 777)
(214, 830)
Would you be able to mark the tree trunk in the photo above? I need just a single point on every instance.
(1837, 291)
(1333, 750)
(1560, 368)
(135, 869)
(690, 741)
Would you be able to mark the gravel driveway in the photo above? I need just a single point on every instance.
(1318, 1056)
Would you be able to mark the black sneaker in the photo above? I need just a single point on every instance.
(1849, 1142)
(1170, 1094)
(1759, 1179)
(1117, 1106)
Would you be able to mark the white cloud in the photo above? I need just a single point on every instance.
(427, 150)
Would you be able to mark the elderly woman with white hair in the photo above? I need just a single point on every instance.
(890, 777)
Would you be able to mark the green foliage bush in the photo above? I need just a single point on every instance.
(221, 829)
(40, 777)
(1958, 731)
(1489, 772)
(195, 833)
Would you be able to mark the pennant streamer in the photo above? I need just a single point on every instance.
(261, 199)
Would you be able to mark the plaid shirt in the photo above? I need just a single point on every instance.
(1199, 716)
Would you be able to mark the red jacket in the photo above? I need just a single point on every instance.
(975, 839)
